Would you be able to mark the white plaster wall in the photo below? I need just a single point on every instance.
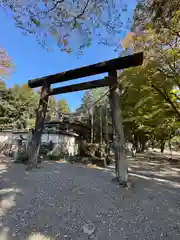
(9, 137)
(56, 138)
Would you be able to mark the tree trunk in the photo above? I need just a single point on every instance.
(136, 143)
(152, 144)
(34, 144)
(107, 137)
(92, 126)
(170, 147)
(122, 166)
(100, 121)
(137, 146)
(142, 145)
(162, 145)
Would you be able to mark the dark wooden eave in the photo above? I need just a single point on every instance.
(64, 123)
(79, 128)
(98, 68)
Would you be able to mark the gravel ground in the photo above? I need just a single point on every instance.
(65, 201)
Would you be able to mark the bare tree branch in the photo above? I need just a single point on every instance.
(81, 14)
(54, 7)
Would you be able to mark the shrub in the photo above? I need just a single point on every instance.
(45, 148)
(93, 149)
(100, 151)
(90, 149)
(6, 149)
(54, 157)
(22, 158)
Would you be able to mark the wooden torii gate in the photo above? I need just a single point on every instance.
(109, 67)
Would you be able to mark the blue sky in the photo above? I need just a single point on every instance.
(32, 61)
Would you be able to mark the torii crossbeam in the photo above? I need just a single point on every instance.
(98, 68)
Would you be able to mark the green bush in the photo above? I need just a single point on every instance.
(45, 148)
(8, 153)
(90, 149)
(54, 157)
(100, 151)
(93, 149)
(6, 149)
(22, 158)
(43, 151)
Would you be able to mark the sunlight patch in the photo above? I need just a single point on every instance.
(38, 236)
(171, 183)
(7, 203)
(9, 190)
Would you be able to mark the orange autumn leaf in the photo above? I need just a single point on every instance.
(25, 86)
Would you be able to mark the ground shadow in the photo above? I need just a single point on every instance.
(156, 165)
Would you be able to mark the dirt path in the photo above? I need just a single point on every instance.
(65, 201)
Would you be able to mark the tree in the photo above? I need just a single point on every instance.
(147, 114)
(17, 107)
(157, 12)
(162, 58)
(6, 65)
(63, 106)
(2, 88)
(66, 20)
(93, 107)
(6, 68)
(52, 109)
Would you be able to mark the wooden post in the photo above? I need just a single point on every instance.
(119, 145)
(101, 125)
(39, 125)
(107, 135)
(92, 124)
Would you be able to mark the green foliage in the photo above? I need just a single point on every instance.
(18, 107)
(6, 149)
(157, 14)
(90, 149)
(144, 109)
(65, 21)
(93, 150)
(22, 158)
(51, 110)
(62, 106)
(45, 148)
(150, 99)
(101, 151)
(54, 157)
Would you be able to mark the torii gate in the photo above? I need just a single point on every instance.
(109, 67)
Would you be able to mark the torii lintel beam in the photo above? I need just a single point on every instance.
(80, 86)
(98, 68)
